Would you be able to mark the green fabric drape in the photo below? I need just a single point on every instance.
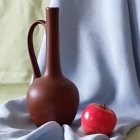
(16, 16)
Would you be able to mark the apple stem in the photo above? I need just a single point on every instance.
(104, 106)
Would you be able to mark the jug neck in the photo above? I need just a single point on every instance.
(53, 67)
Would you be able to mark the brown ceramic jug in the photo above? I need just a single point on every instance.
(51, 96)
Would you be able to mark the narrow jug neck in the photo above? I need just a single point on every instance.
(52, 36)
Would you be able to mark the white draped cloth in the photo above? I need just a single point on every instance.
(99, 48)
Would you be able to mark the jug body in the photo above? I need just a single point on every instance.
(52, 99)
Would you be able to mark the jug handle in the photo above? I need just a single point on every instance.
(31, 51)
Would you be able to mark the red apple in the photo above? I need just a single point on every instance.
(98, 118)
